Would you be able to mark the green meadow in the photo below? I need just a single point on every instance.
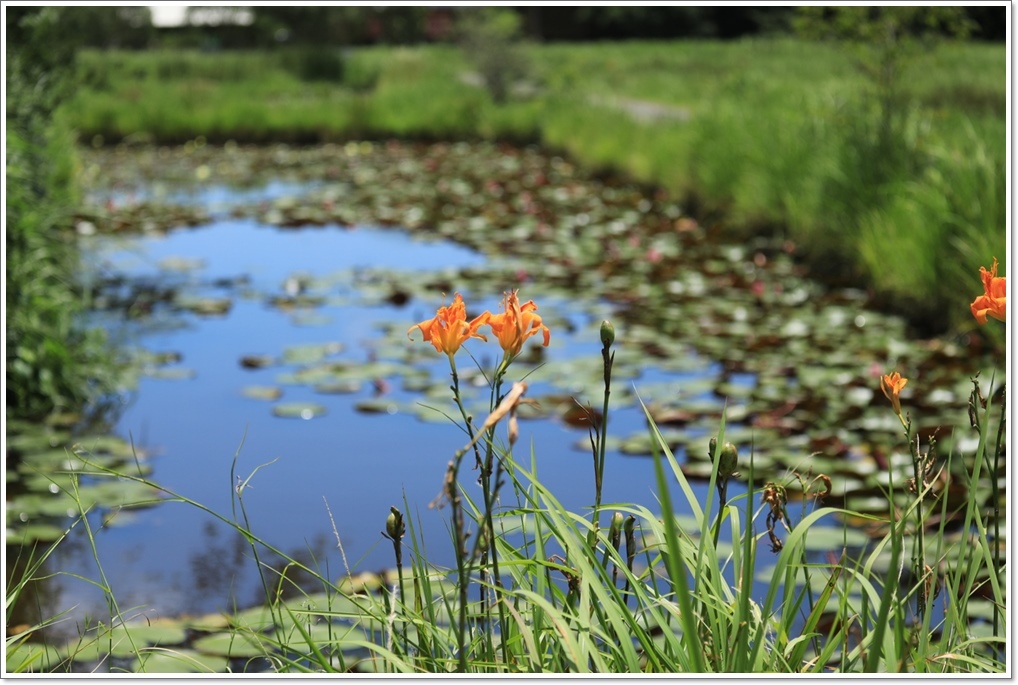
(775, 135)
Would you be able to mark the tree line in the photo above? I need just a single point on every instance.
(268, 26)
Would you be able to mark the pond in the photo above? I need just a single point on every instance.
(269, 293)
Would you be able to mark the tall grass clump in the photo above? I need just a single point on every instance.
(537, 588)
(53, 363)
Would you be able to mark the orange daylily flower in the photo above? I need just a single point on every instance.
(517, 323)
(892, 384)
(450, 329)
(993, 301)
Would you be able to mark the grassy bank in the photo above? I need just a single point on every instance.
(775, 135)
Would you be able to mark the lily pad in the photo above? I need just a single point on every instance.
(338, 386)
(377, 406)
(205, 306)
(182, 264)
(31, 657)
(125, 640)
(262, 392)
(34, 532)
(234, 645)
(179, 660)
(310, 353)
(299, 410)
(179, 373)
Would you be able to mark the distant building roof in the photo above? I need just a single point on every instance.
(172, 16)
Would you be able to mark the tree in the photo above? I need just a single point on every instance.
(489, 37)
(884, 41)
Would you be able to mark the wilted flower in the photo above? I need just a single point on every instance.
(516, 323)
(993, 301)
(450, 329)
(892, 384)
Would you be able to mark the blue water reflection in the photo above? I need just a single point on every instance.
(174, 558)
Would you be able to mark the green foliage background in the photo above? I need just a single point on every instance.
(53, 363)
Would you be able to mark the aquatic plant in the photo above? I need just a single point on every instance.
(546, 599)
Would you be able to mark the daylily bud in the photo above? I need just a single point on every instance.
(728, 460)
(615, 530)
(630, 528)
(483, 539)
(630, 525)
(607, 333)
(394, 524)
(617, 520)
(712, 448)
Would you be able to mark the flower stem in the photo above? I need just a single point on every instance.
(490, 493)
(995, 493)
(920, 541)
(609, 360)
(459, 532)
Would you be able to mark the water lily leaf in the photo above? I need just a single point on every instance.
(310, 353)
(96, 445)
(262, 392)
(981, 610)
(380, 369)
(299, 410)
(700, 470)
(257, 619)
(733, 391)
(124, 640)
(289, 303)
(31, 506)
(824, 538)
(34, 439)
(207, 623)
(338, 386)
(859, 396)
(182, 264)
(311, 375)
(179, 660)
(161, 358)
(205, 306)
(417, 381)
(32, 657)
(111, 493)
(179, 373)
(377, 406)
(34, 532)
(323, 634)
(235, 645)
